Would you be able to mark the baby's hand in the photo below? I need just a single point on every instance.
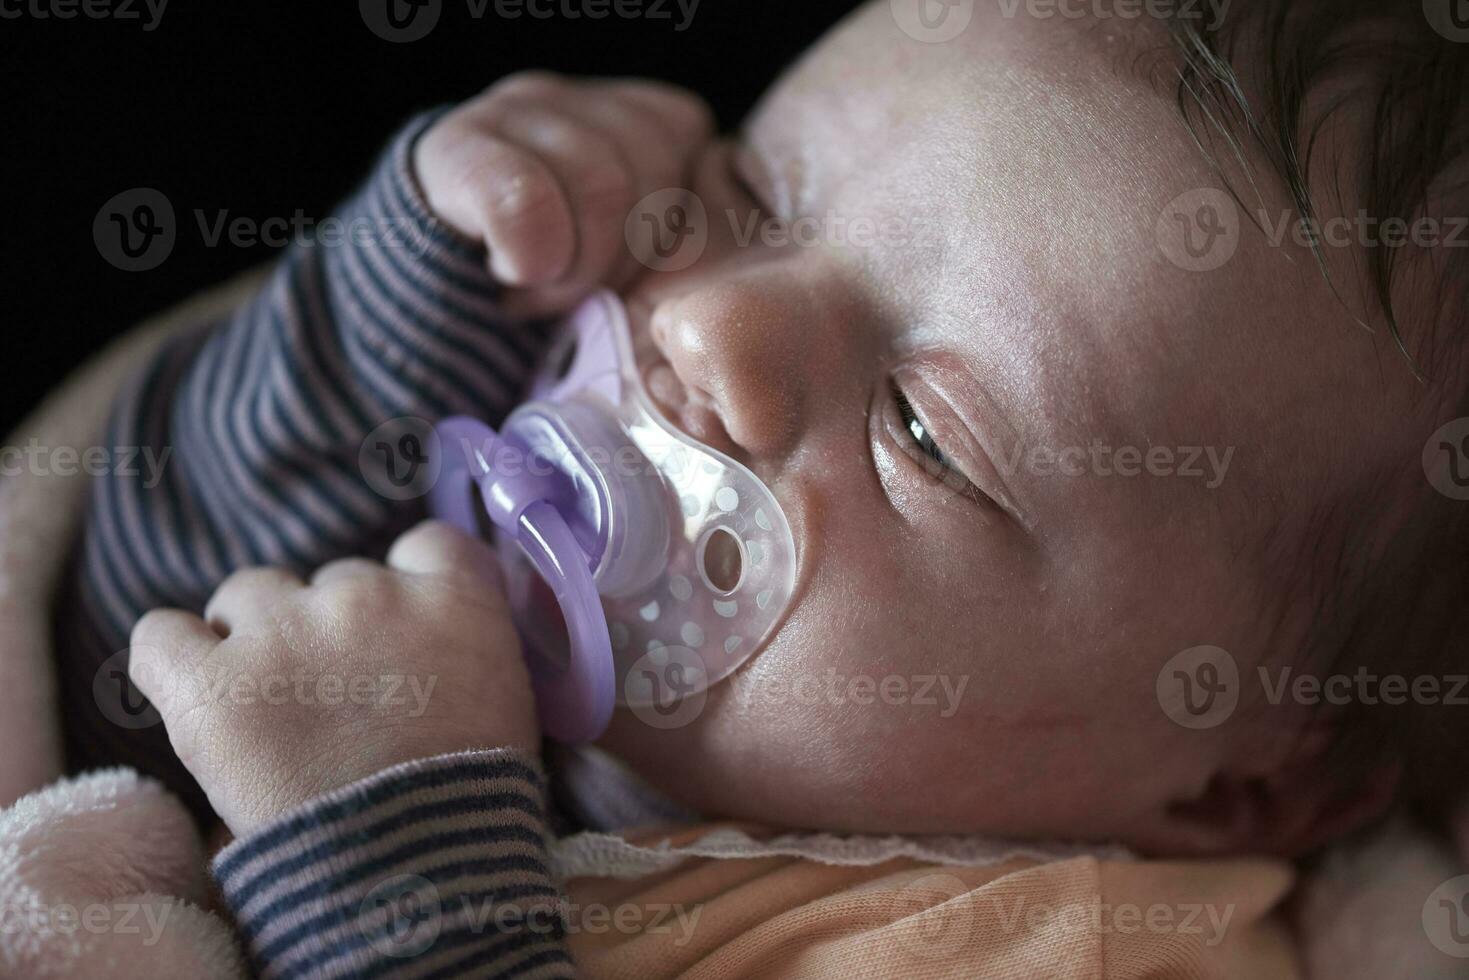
(286, 690)
(544, 170)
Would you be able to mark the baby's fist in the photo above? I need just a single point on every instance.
(285, 689)
(543, 170)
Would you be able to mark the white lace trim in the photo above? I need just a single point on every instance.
(609, 856)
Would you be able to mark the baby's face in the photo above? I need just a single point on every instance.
(975, 644)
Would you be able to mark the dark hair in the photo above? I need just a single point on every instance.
(1410, 77)
(1391, 564)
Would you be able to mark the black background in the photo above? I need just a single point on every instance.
(268, 106)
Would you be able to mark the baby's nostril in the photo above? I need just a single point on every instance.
(722, 561)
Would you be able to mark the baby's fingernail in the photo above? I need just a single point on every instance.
(522, 270)
(505, 269)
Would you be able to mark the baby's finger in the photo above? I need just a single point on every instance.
(503, 195)
(437, 548)
(343, 569)
(596, 177)
(250, 596)
(165, 642)
(687, 119)
(653, 160)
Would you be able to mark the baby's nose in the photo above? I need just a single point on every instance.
(746, 347)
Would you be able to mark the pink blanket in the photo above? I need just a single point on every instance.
(103, 876)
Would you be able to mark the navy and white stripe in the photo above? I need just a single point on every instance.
(437, 868)
(263, 414)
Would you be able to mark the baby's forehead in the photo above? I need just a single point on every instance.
(1048, 117)
(1047, 177)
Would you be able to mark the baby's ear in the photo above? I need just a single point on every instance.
(1285, 804)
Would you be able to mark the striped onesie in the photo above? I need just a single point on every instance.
(263, 414)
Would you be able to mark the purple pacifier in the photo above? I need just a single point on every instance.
(670, 562)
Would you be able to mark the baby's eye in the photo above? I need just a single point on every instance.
(926, 453)
(918, 430)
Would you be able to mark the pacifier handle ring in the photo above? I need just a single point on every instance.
(574, 703)
(449, 498)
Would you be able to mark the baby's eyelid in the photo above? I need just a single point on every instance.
(935, 457)
(965, 452)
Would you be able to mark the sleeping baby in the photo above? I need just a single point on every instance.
(1078, 460)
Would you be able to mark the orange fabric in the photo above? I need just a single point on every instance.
(790, 917)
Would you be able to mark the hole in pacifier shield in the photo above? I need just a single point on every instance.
(722, 560)
(666, 687)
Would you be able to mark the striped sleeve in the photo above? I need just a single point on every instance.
(247, 436)
(433, 869)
